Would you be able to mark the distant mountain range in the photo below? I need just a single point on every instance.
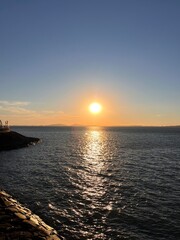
(57, 125)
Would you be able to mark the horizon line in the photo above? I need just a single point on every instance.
(63, 125)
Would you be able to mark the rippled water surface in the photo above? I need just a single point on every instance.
(99, 183)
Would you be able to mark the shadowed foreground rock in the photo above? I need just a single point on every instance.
(19, 223)
(13, 140)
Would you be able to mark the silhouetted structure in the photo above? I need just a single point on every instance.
(4, 128)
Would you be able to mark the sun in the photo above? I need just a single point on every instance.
(95, 107)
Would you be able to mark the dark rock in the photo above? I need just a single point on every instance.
(19, 223)
(13, 140)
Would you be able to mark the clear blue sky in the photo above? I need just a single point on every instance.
(58, 55)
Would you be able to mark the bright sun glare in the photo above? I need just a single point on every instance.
(95, 107)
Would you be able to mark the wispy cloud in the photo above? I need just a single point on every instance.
(15, 107)
(13, 103)
(18, 112)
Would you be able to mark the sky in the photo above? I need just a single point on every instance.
(58, 56)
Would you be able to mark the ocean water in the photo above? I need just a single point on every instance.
(99, 183)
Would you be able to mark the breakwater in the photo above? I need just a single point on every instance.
(18, 222)
(13, 140)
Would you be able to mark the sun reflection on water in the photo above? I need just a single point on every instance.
(93, 151)
(94, 162)
(90, 176)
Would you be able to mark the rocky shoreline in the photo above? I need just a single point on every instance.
(19, 223)
(13, 140)
(16, 221)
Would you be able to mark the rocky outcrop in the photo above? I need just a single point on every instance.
(19, 223)
(13, 140)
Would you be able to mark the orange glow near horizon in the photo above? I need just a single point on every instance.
(87, 110)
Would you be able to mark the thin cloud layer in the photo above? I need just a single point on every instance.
(17, 112)
(15, 107)
(13, 103)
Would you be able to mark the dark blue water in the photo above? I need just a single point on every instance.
(99, 183)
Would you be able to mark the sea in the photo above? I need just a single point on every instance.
(94, 183)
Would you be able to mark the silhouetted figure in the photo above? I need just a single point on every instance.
(6, 123)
